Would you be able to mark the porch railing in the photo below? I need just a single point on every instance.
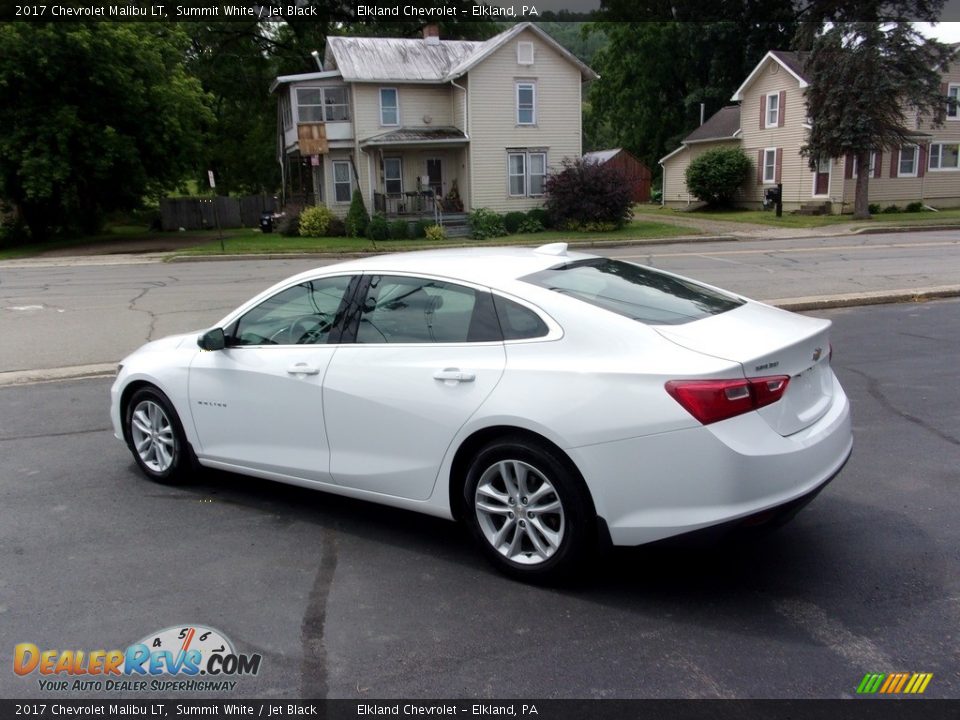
(409, 203)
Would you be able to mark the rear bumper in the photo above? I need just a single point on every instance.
(651, 488)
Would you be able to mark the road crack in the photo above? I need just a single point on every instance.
(876, 392)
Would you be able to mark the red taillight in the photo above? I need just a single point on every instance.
(710, 401)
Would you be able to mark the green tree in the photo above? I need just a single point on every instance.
(94, 116)
(869, 84)
(717, 175)
(234, 64)
(655, 75)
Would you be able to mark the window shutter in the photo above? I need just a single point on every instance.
(763, 112)
(781, 112)
(922, 166)
(760, 166)
(848, 166)
(776, 176)
(877, 163)
(894, 161)
(944, 88)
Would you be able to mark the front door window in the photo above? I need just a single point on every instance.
(435, 175)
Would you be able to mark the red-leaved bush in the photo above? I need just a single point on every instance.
(587, 193)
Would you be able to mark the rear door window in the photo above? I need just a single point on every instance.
(635, 292)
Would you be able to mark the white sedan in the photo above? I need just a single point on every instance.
(552, 401)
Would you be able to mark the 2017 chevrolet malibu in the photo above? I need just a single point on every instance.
(551, 400)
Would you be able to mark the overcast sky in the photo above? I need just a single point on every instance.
(944, 32)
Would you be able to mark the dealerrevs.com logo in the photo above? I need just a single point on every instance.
(179, 658)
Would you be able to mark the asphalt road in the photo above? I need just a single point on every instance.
(59, 314)
(353, 600)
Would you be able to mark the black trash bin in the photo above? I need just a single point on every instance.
(266, 222)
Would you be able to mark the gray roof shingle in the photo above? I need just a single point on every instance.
(721, 125)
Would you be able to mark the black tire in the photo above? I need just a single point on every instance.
(574, 529)
(172, 461)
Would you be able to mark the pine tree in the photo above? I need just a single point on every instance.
(870, 85)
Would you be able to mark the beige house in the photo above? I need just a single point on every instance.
(414, 123)
(770, 124)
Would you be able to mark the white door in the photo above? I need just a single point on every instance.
(258, 402)
(427, 354)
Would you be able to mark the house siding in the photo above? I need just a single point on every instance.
(492, 116)
(939, 188)
(675, 193)
(795, 174)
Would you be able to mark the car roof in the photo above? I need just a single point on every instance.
(488, 266)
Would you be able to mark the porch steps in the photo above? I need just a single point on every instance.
(819, 208)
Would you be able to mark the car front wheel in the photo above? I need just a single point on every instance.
(528, 510)
(156, 437)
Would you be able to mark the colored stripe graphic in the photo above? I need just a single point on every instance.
(870, 683)
(894, 683)
(918, 683)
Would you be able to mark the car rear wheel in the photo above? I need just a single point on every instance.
(155, 437)
(528, 510)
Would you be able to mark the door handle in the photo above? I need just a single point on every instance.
(454, 375)
(303, 369)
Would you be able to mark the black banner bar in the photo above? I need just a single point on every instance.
(851, 709)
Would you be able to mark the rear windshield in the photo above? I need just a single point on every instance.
(634, 292)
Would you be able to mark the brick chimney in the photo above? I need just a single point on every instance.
(431, 34)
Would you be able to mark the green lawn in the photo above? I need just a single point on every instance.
(113, 239)
(768, 217)
(254, 242)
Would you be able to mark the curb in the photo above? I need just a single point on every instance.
(680, 239)
(879, 297)
(823, 302)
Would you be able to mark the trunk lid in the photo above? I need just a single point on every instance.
(767, 341)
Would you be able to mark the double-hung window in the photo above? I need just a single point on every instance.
(389, 106)
(908, 161)
(526, 103)
(322, 104)
(770, 165)
(953, 105)
(393, 175)
(945, 156)
(526, 173)
(342, 181)
(773, 110)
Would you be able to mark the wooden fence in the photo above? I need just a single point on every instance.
(200, 213)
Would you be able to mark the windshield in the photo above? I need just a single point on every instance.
(635, 292)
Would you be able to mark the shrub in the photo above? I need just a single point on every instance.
(716, 176)
(377, 228)
(529, 225)
(585, 192)
(315, 220)
(336, 228)
(399, 230)
(914, 207)
(540, 215)
(485, 223)
(512, 220)
(357, 217)
(14, 233)
(436, 233)
(289, 225)
(419, 229)
(874, 209)
(890, 209)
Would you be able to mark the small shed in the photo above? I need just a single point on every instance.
(637, 174)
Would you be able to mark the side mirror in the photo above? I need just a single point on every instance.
(212, 340)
